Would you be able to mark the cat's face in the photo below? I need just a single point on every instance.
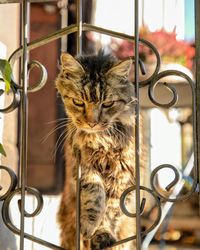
(96, 91)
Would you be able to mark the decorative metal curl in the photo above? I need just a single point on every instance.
(155, 82)
(15, 101)
(32, 191)
(124, 210)
(171, 185)
(13, 182)
(8, 222)
(89, 27)
(168, 105)
(7, 198)
(158, 62)
(122, 203)
(15, 88)
(43, 77)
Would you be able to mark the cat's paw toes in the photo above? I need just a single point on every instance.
(101, 240)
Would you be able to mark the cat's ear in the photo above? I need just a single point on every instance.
(121, 69)
(70, 64)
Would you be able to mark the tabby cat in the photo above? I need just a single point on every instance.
(99, 102)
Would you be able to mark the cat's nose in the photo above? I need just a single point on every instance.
(92, 124)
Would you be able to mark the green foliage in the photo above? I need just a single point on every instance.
(2, 151)
(6, 76)
(6, 73)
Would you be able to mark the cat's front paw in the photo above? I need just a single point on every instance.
(101, 240)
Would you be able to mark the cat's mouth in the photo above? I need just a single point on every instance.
(97, 128)
(92, 130)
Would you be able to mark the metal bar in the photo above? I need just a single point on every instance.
(85, 27)
(78, 198)
(66, 31)
(78, 203)
(44, 40)
(79, 26)
(197, 44)
(137, 130)
(24, 123)
(64, 23)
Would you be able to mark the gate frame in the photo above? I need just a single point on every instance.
(21, 100)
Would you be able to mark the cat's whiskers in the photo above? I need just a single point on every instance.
(57, 127)
(68, 134)
(59, 119)
(61, 122)
(108, 131)
(64, 123)
(114, 142)
(60, 141)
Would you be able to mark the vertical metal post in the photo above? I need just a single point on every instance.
(24, 116)
(197, 44)
(137, 129)
(78, 202)
(64, 23)
(79, 23)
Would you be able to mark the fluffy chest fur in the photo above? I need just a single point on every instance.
(111, 158)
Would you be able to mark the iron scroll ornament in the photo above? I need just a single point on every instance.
(89, 27)
(170, 104)
(41, 82)
(172, 185)
(15, 99)
(16, 89)
(7, 198)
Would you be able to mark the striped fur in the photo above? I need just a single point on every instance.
(99, 101)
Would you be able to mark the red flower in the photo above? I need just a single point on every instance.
(170, 49)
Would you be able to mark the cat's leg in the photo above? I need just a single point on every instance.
(66, 218)
(106, 235)
(93, 204)
(102, 239)
(115, 226)
(67, 221)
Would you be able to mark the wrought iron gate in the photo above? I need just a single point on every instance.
(20, 98)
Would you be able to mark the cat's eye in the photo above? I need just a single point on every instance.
(78, 102)
(107, 104)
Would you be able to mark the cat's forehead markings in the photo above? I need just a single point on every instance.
(98, 92)
(86, 92)
(92, 92)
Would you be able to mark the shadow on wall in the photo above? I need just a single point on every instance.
(7, 238)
